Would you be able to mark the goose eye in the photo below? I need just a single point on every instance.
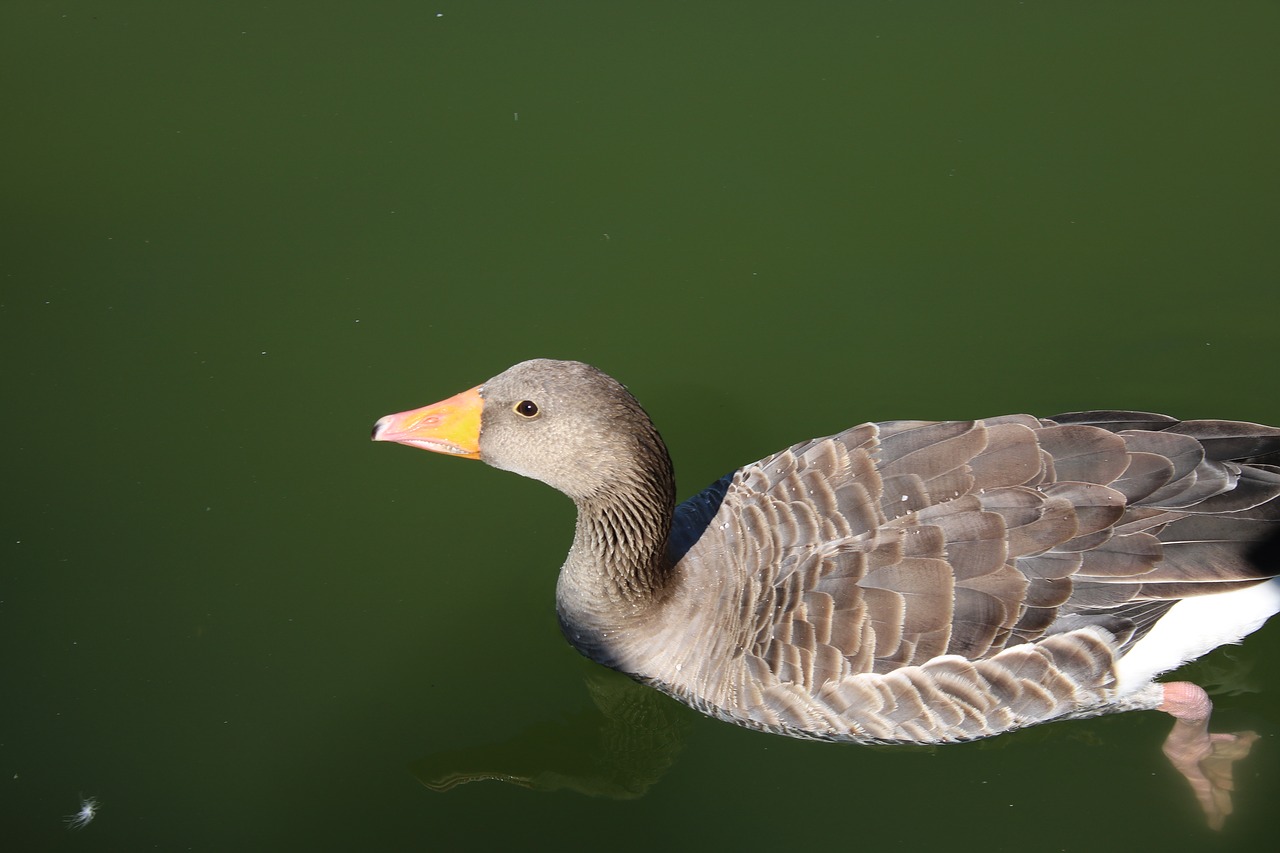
(527, 408)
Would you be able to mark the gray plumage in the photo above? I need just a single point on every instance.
(897, 582)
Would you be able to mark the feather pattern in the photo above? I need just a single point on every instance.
(906, 581)
(930, 582)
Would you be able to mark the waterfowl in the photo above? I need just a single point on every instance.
(900, 582)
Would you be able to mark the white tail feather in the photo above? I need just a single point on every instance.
(1196, 626)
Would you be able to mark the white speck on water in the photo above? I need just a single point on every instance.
(88, 811)
(904, 498)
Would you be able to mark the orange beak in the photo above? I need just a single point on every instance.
(451, 426)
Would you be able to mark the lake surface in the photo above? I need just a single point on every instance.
(235, 234)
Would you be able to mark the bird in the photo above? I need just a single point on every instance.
(920, 582)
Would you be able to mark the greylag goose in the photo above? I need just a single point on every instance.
(900, 582)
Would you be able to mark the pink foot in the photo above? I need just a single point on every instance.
(1205, 759)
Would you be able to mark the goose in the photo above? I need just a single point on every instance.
(899, 582)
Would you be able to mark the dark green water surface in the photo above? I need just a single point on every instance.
(234, 234)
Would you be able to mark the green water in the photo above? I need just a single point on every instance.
(235, 234)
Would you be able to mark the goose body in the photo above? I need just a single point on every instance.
(917, 582)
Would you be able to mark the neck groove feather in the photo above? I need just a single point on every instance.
(618, 570)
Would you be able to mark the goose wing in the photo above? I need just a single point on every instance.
(891, 544)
